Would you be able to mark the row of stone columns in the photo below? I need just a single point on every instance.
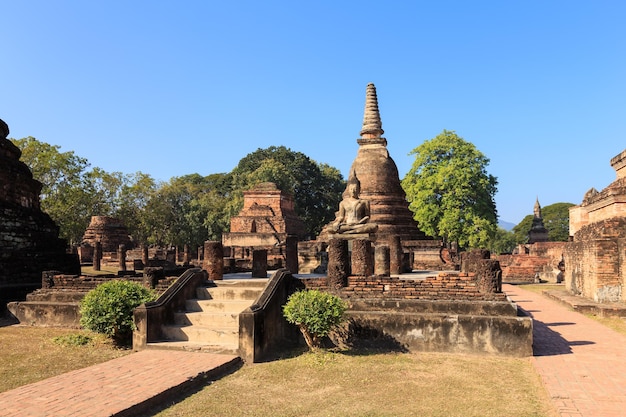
(342, 263)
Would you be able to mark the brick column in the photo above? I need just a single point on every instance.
(121, 257)
(97, 256)
(395, 256)
(259, 263)
(291, 254)
(338, 263)
(144, 255)
(362, 262)
(186, 255)
(381, 261)
(214, 259)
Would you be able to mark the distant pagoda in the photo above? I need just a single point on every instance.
(537, 232)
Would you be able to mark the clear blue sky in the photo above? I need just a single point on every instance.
(174, 88)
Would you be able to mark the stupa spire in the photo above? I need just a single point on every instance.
(372, 125)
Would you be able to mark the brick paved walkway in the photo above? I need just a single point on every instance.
(582, 363)
(124, 386)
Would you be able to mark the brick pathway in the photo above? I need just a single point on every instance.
(124, 386)
(582, 363)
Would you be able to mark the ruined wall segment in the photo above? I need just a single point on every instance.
(29, 239)
(595, 264)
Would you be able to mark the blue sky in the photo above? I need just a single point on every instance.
(174, 88)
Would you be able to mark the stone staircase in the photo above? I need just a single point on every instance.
(210, 322)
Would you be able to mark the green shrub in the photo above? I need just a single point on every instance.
(315, 313)
(108, 308)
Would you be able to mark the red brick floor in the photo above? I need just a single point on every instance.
(121, 387)
(582, 363)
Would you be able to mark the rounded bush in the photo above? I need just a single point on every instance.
(108, 308)
(315, 312)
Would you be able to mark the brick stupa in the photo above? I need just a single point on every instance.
(29, 238)
(379, 180)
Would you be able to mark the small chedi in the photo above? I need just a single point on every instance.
(594, 266)
(537, 259)
(29, 239)
(109, 231)
(537, 232)
(266, 222)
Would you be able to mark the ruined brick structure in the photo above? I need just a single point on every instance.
(594, 260)
(29, 239)
(109, 231)
(537, 232)
(265, 222)
(377, 175)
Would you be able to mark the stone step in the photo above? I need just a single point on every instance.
(227, 349)
(247, 282)
(229, 293)
(202, 334)
(46, 313)
(202, 318)
(56, 296)
(229, 306)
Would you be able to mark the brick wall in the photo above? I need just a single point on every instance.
(445, 286)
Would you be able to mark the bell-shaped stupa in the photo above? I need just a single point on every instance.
(379, 182)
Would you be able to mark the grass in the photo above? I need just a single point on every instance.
(374, 384)
(31, 354)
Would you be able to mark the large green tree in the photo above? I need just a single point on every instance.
(64, 194)
(72, 193)
(555, 219)
(316, 187)
(450, 192)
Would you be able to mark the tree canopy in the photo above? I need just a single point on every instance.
(450, 192)
(184, 210)
(555, 219)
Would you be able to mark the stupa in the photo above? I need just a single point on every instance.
(29, 238)
(537, 232)
(377, 175)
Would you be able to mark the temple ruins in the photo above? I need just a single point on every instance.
(375, 208)
(594, 261)
(29, 239)
(537, 260)
(267, 222)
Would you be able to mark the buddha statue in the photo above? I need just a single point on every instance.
(354, 213)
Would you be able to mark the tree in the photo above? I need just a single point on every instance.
(502, 241)
(555, 219)
(450, 192)
(316, 188)
(64, 194)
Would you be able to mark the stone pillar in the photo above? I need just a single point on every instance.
(151, 276)
(362, 264)
(144, 255)
(395, 256)
(259, 263)
(186, 255)
(47, 278)
(489, 276)
(97, 256)
(291, 254)
(200, 250)
(381, 261)
(121, 257)
(214, 259)
(338, 263)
